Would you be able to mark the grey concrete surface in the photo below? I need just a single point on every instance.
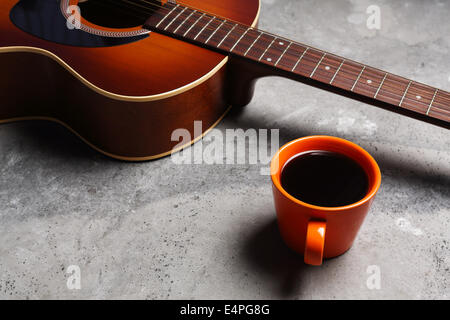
(160, 230)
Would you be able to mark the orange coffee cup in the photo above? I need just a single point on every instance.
(314, 231)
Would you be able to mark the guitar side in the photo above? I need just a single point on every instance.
(125, 101)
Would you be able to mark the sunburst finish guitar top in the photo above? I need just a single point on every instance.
(133, 71)
(124, 100)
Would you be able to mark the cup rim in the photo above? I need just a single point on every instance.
(370, 194)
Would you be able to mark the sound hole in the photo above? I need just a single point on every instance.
(112, 14)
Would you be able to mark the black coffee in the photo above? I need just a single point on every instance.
(324, 178)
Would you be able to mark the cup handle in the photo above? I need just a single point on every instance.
(315, 240)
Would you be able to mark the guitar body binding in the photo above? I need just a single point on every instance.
(112, 87)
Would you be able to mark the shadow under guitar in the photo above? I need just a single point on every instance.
(56, 141)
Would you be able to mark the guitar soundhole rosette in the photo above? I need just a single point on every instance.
(65, 4)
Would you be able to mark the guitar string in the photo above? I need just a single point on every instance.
(416, 90)
(367, 89)
(122, 3)
(138, 13)
(419, 91)
(321, 51)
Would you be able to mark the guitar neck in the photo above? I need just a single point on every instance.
(304, 63)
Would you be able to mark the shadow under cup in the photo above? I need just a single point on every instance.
(314, 231)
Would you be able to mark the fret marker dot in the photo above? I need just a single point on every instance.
(281, 43)
(418, 97)
(327, 68)
(369, 81)
(269, 59)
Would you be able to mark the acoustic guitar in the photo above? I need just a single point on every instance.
(124, 74)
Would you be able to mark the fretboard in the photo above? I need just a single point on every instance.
(309, 64)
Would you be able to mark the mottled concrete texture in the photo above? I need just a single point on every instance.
(160, 230)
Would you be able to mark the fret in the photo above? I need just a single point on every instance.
(261, 46)
(284, 52)
(347, 75)
(441, 106)
(215, 31)
(178, 21)
(231, 30)
(327, 68)
(404, 95)
(318, 64)
(442, 114)
(262, 55)
(337, 71)
(432, 100)
(309, 61)
(249, 48)
(204, 27)
(393, 89)
(240, 38)
(193, 25)
(300, 59)
(357, 79)
(379, 87)
(179, 14)
(233, 37)
(291, 56)
(369, 82)
(274, 51)
(442, 100)
(218, 33)
(246, 42)
(184, 21)
(170, 12)
(418, 97)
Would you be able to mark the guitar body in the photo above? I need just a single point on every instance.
(120, 90)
